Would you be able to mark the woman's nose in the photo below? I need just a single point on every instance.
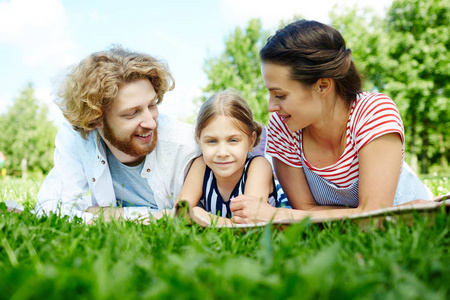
(273, 105)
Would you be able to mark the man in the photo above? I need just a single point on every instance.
(116, 155)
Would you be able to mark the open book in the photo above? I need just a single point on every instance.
(404, 213)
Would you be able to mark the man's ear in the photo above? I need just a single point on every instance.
(99, 123)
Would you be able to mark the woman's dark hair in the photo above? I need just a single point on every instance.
(312, 51)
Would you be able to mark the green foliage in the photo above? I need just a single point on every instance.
(406, 57)
(51, 258)
(239, 68)
(365, 35)
(419, 34)
(27, 134)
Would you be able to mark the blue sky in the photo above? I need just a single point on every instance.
(39, 39)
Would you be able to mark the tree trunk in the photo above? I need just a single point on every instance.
(424, 153)
(414, 160)
(444, 162)
(24, 167)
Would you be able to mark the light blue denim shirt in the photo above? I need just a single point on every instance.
(80, 167)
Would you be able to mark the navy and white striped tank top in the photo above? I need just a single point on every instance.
(212, 201)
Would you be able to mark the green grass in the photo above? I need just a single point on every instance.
(51, 258)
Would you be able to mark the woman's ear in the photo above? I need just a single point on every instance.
(323, 85)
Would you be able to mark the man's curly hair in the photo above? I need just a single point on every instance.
(91, 86)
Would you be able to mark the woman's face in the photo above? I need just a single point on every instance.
(297, 106)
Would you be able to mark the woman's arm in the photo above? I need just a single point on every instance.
(294, 184)
(379, 171)
(253, 206)
(380, 163)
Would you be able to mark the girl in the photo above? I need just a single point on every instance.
(336, 150)
(226, 133)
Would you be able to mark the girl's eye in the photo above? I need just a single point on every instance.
(233, 140)
(279, 97)
(211, 141)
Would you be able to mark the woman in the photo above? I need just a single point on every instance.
(336, 150)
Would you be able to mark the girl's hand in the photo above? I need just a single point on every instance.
(249, 209)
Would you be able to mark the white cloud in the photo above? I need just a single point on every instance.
(179, 102)
(38, 29)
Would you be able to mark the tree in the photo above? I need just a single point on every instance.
(27, 135)
(406, 57)
(419, 34)
(239, 67)
(365, 35)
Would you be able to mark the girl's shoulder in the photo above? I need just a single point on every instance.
(258, 162)
(198, 164)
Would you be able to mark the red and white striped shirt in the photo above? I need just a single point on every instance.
(372, 115)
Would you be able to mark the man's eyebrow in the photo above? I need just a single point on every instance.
(126, 109)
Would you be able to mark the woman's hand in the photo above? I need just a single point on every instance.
(249, 209)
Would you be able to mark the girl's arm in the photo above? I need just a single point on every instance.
(193, 184)
(259, 179)
(192, 192)
(379, 171)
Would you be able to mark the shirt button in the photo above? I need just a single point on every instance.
(148, 170)
(103, 162)
(93, 179)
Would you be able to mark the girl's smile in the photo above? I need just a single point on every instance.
(225, 147)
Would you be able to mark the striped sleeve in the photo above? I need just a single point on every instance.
(282, 143)
(375, 115)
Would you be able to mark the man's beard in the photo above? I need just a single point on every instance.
(129, 145)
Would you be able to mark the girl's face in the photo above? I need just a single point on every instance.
(225, 147)
(298, 106)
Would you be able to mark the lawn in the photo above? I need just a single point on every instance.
(51, 258)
